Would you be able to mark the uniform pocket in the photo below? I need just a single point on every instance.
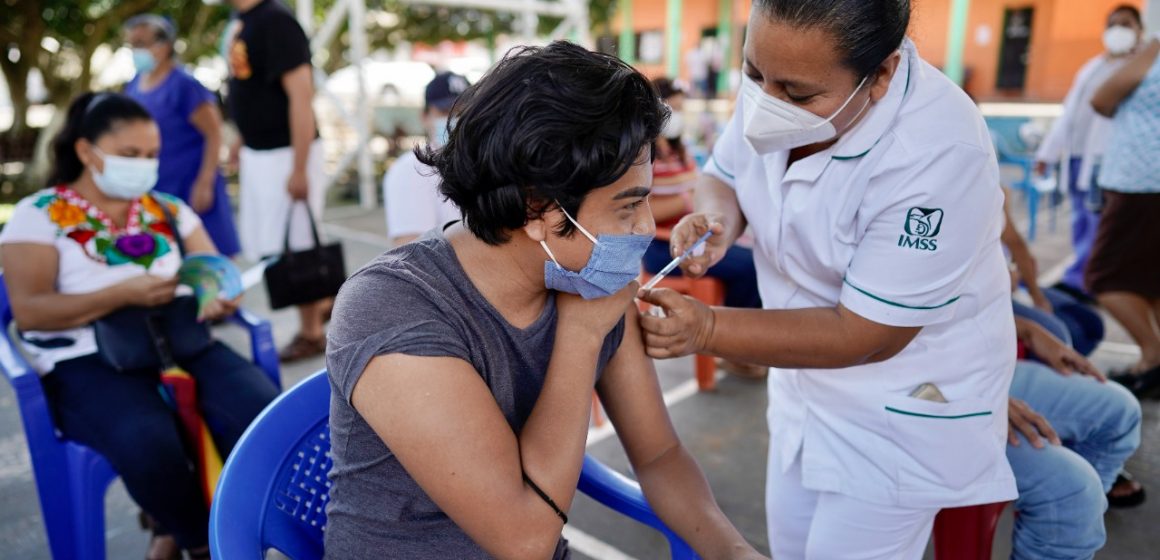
(942, 445)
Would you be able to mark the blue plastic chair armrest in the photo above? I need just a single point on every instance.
(623, 495)
(265, 354)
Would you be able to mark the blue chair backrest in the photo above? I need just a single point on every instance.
(1005, 132)
(274, 489)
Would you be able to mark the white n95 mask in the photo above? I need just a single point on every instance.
(773, 125)
(1119, 39)
(125, 178)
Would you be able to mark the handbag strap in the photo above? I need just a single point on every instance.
(172, 221)
(313, 226)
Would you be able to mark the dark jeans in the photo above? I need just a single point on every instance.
(736, 270)
(1076, 324)
(124, 418)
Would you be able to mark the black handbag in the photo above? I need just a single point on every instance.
(301, 277)
(150, 339)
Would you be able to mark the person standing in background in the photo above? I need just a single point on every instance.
(191, 127)
(411, 189)
(280, 158)
(1124, 271)
(1078, 138)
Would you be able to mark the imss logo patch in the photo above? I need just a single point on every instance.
(921, 229)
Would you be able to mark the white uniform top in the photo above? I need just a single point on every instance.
(899, 222)
(1080, 132)
(412, 200)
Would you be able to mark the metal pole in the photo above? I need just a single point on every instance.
(627, 47)
(358, 49)
(673, 38)
(725, 39)
(305, 13)
(957, 36)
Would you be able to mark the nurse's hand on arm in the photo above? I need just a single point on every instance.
(1057, 355)
(441, 420)
(1021, 419)
(717, 210)
(1125, 81)
(813, 338)
(671, 479)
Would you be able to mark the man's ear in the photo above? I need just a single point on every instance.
(537, 227)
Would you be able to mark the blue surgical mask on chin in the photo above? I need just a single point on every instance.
(615, 262)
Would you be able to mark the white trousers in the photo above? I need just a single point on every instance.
(264, 204)
(804, 524)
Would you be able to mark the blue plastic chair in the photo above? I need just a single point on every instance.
(1013, 151)
(72, 479)
(274, 488)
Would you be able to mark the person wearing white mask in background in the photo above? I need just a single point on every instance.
(1078, 137)
(411, 189)
(872, 190)
(100, 239)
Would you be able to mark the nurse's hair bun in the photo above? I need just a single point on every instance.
(868, 31)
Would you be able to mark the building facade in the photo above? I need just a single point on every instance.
(1013, 49)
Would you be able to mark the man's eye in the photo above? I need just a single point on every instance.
(798, 98)
(636, 204)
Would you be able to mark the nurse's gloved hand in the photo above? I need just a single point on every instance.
(1021, 419)
(688, 231)
(685, 328)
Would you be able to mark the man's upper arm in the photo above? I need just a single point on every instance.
(632, 397)
(441, 421)
(910, 267)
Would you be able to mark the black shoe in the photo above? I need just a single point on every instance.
(1144, 385)
(1128, 500)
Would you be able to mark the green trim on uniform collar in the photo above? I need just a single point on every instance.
(957, 417)
(896, 304)
(905, 91)
(845, 158)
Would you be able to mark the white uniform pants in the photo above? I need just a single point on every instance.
(264, 204)
(804, 524)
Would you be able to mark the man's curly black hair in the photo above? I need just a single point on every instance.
(546, 124)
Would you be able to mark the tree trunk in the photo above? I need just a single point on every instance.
(16, 78)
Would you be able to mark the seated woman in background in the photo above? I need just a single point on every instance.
(674, 173)
(463, 364)
(98, 241)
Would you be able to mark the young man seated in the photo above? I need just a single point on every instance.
(463, 364)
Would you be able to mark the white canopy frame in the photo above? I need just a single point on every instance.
(575, 25)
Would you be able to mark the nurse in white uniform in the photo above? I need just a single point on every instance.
(872, 190)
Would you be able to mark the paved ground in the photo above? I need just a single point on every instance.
(725, 429)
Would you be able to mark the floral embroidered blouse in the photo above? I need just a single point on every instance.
(94, 254)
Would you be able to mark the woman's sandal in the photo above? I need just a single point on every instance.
(162, 545)
(1135, 498)
(302, 348)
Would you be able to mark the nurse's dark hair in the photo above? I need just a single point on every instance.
(545, 125)
(867, 31)
(1131, 10)
(90, 116)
